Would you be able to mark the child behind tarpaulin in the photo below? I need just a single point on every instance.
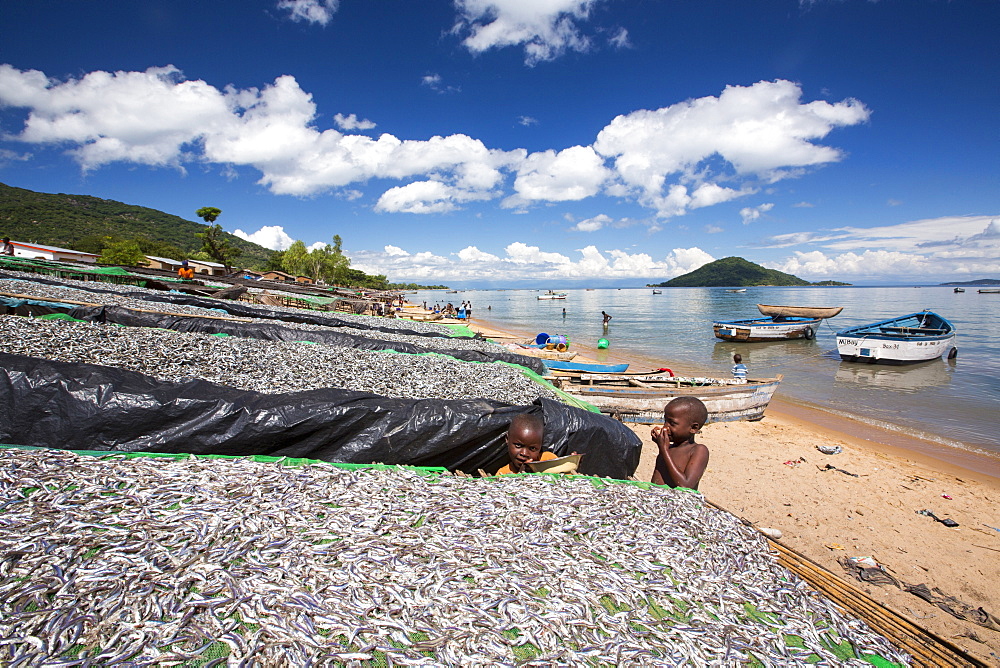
(524, 443)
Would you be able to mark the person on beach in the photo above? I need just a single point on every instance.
(185, 272)
(6, 248)
(524, 443)
(739, 368)
(607, 318)
(681, 462)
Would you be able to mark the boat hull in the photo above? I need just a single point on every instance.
(765, 329)
(584, 367)
(725, 401)
(909, 339)
(886, 350)
(818, 312)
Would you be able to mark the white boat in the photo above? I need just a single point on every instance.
(766, 329)
(657, 292)
(638, 398)
(552, 295)
(737, 290)
(909, 339)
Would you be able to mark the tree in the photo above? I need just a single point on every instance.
(216, 246)
(275, 262)
(208, 213)
(122, 253)
(295, 260)
(326, 263)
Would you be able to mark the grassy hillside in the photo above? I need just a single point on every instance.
(81, 222)
(732, 271)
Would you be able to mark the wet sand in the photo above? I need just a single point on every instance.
(826, 514)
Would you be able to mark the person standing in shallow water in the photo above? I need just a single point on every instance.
(607, 319)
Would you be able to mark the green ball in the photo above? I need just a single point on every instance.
(603, 343)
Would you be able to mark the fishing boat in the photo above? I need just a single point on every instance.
(784, 322)
(641, 398)
(989, 291)
(586, 368)
(909, 339)
(552, 295)
(540, 352)
(657, 292)
(756, 330)
(799, 311)
(959, 289)
(737, 290)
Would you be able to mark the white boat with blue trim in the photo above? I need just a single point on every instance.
(909, 339)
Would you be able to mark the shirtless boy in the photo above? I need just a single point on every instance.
(681, 462)
(524, 443)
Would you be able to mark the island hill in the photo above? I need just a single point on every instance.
(735, 272)
(980, 281)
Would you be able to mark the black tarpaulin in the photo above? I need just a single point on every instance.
(92, 407)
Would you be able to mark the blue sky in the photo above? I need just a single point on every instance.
(478, 142)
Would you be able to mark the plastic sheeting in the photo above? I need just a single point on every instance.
(91, 407)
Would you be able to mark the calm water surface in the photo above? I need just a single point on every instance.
(953, 402)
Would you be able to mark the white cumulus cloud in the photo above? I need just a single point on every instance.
(269, 236)
(311, 11)
(546, 28)
(762, 132)
(592, 224)
(751, 213)
(351, 122)
(571, 174)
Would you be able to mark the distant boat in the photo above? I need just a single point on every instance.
(657, 292)
(908, 339)
(799, 311)
(990, 291)
(961, 290)
(552, 295)
(737, 290)
(584, 367)
(641, 398)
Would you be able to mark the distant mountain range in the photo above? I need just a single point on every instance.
(82, 222)
(978, 281)
(735, 272)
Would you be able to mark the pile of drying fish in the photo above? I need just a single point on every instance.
(164, 562)
(266, 366)
(78, 291)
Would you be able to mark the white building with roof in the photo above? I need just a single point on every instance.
(43, 252)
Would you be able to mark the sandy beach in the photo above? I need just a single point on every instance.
(771, 474)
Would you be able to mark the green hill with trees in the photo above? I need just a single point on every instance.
(123, 233)
(735, 272)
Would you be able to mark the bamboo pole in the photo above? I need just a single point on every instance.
(926, 648)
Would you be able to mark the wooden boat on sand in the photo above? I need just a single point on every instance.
(908, 339)
(641, 399)
(540, 353)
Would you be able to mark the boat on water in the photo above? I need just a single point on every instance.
(989, 291)
(755, 330)
(737, 290)
(585, 368)
(908, 339)
(552, 295)
(657, 292)
(799, 311)
(959, 289)
(641, 398)
(782, 323)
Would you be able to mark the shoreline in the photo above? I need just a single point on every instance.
(864, 502)
(970, 463)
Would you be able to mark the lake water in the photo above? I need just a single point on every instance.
(952, 402)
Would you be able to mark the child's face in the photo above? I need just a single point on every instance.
(523, 445)
(677, 420)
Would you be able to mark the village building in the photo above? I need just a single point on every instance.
(43, 252)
